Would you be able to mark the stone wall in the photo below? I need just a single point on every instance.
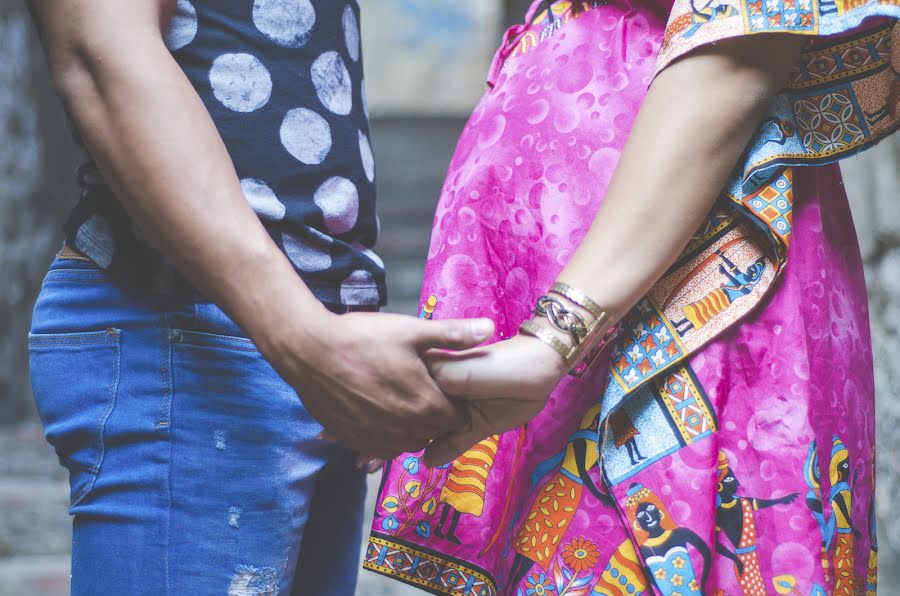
(873, 184)
(36, 188)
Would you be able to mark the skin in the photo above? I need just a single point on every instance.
(698, 116)
(361, 375)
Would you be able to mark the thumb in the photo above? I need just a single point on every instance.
(453, 334)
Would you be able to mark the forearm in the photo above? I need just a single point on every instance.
(696, 121)
(160, 152)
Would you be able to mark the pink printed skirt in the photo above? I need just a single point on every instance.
(726, 445)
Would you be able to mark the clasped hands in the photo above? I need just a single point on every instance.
(387, 384)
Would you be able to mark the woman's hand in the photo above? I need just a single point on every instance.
(363, 377)
(501, 386)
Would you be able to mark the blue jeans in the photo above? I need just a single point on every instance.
(194, 468)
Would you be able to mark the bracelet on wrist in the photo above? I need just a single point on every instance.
(562, 318)
(578, 297)
(588, 339)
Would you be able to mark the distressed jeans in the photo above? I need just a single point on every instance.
(194, 468)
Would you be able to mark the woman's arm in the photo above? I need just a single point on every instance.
(697, 118)
(695, 123)
(361, 375)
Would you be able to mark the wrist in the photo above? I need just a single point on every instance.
(572, 325)
(288, 324)
(298, 334)
(556, 365)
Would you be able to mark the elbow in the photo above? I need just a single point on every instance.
(74, 71)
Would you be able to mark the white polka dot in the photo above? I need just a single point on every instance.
(183, 28)
(308, 254)
(359, 289)
(332, 83)
(365, 152)
(351, 33)
(240, 82)
(263, 199)
(288, 23)
(338, 199)
(306, 136)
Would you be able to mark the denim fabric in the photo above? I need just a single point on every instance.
(194, 467)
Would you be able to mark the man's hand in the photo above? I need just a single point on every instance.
(362, 377)
(502, 386)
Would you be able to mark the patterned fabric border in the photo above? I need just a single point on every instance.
(687, 404)
(726, 269)
(843, 95)
(851, 57)
(653, 345)
(426, 569)
(669, 414)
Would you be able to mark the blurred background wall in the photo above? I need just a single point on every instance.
(425, 65)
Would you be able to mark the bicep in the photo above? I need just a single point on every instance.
(749, 70)
(76, 30)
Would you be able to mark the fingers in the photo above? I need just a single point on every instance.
(369, 464)
(445, 415)
(448, 448)
(454, 378)
(458, 334)
(451, 446)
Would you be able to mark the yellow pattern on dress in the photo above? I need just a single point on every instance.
(467, 483)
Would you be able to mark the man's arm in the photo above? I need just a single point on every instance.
(158, 148)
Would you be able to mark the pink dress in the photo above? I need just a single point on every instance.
(725, 446)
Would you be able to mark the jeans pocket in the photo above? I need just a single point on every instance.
(75, 378)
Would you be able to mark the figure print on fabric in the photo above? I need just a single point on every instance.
(625, 434)
(623, 575)
(664, 545)
(466, 485)
(739, 284)
(813, 478)
(736, 521)
(839, 529)
(557, 498)
(668, 414)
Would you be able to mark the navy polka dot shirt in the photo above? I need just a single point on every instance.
(283, 81)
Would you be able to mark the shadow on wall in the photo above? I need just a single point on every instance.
(36, 189)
